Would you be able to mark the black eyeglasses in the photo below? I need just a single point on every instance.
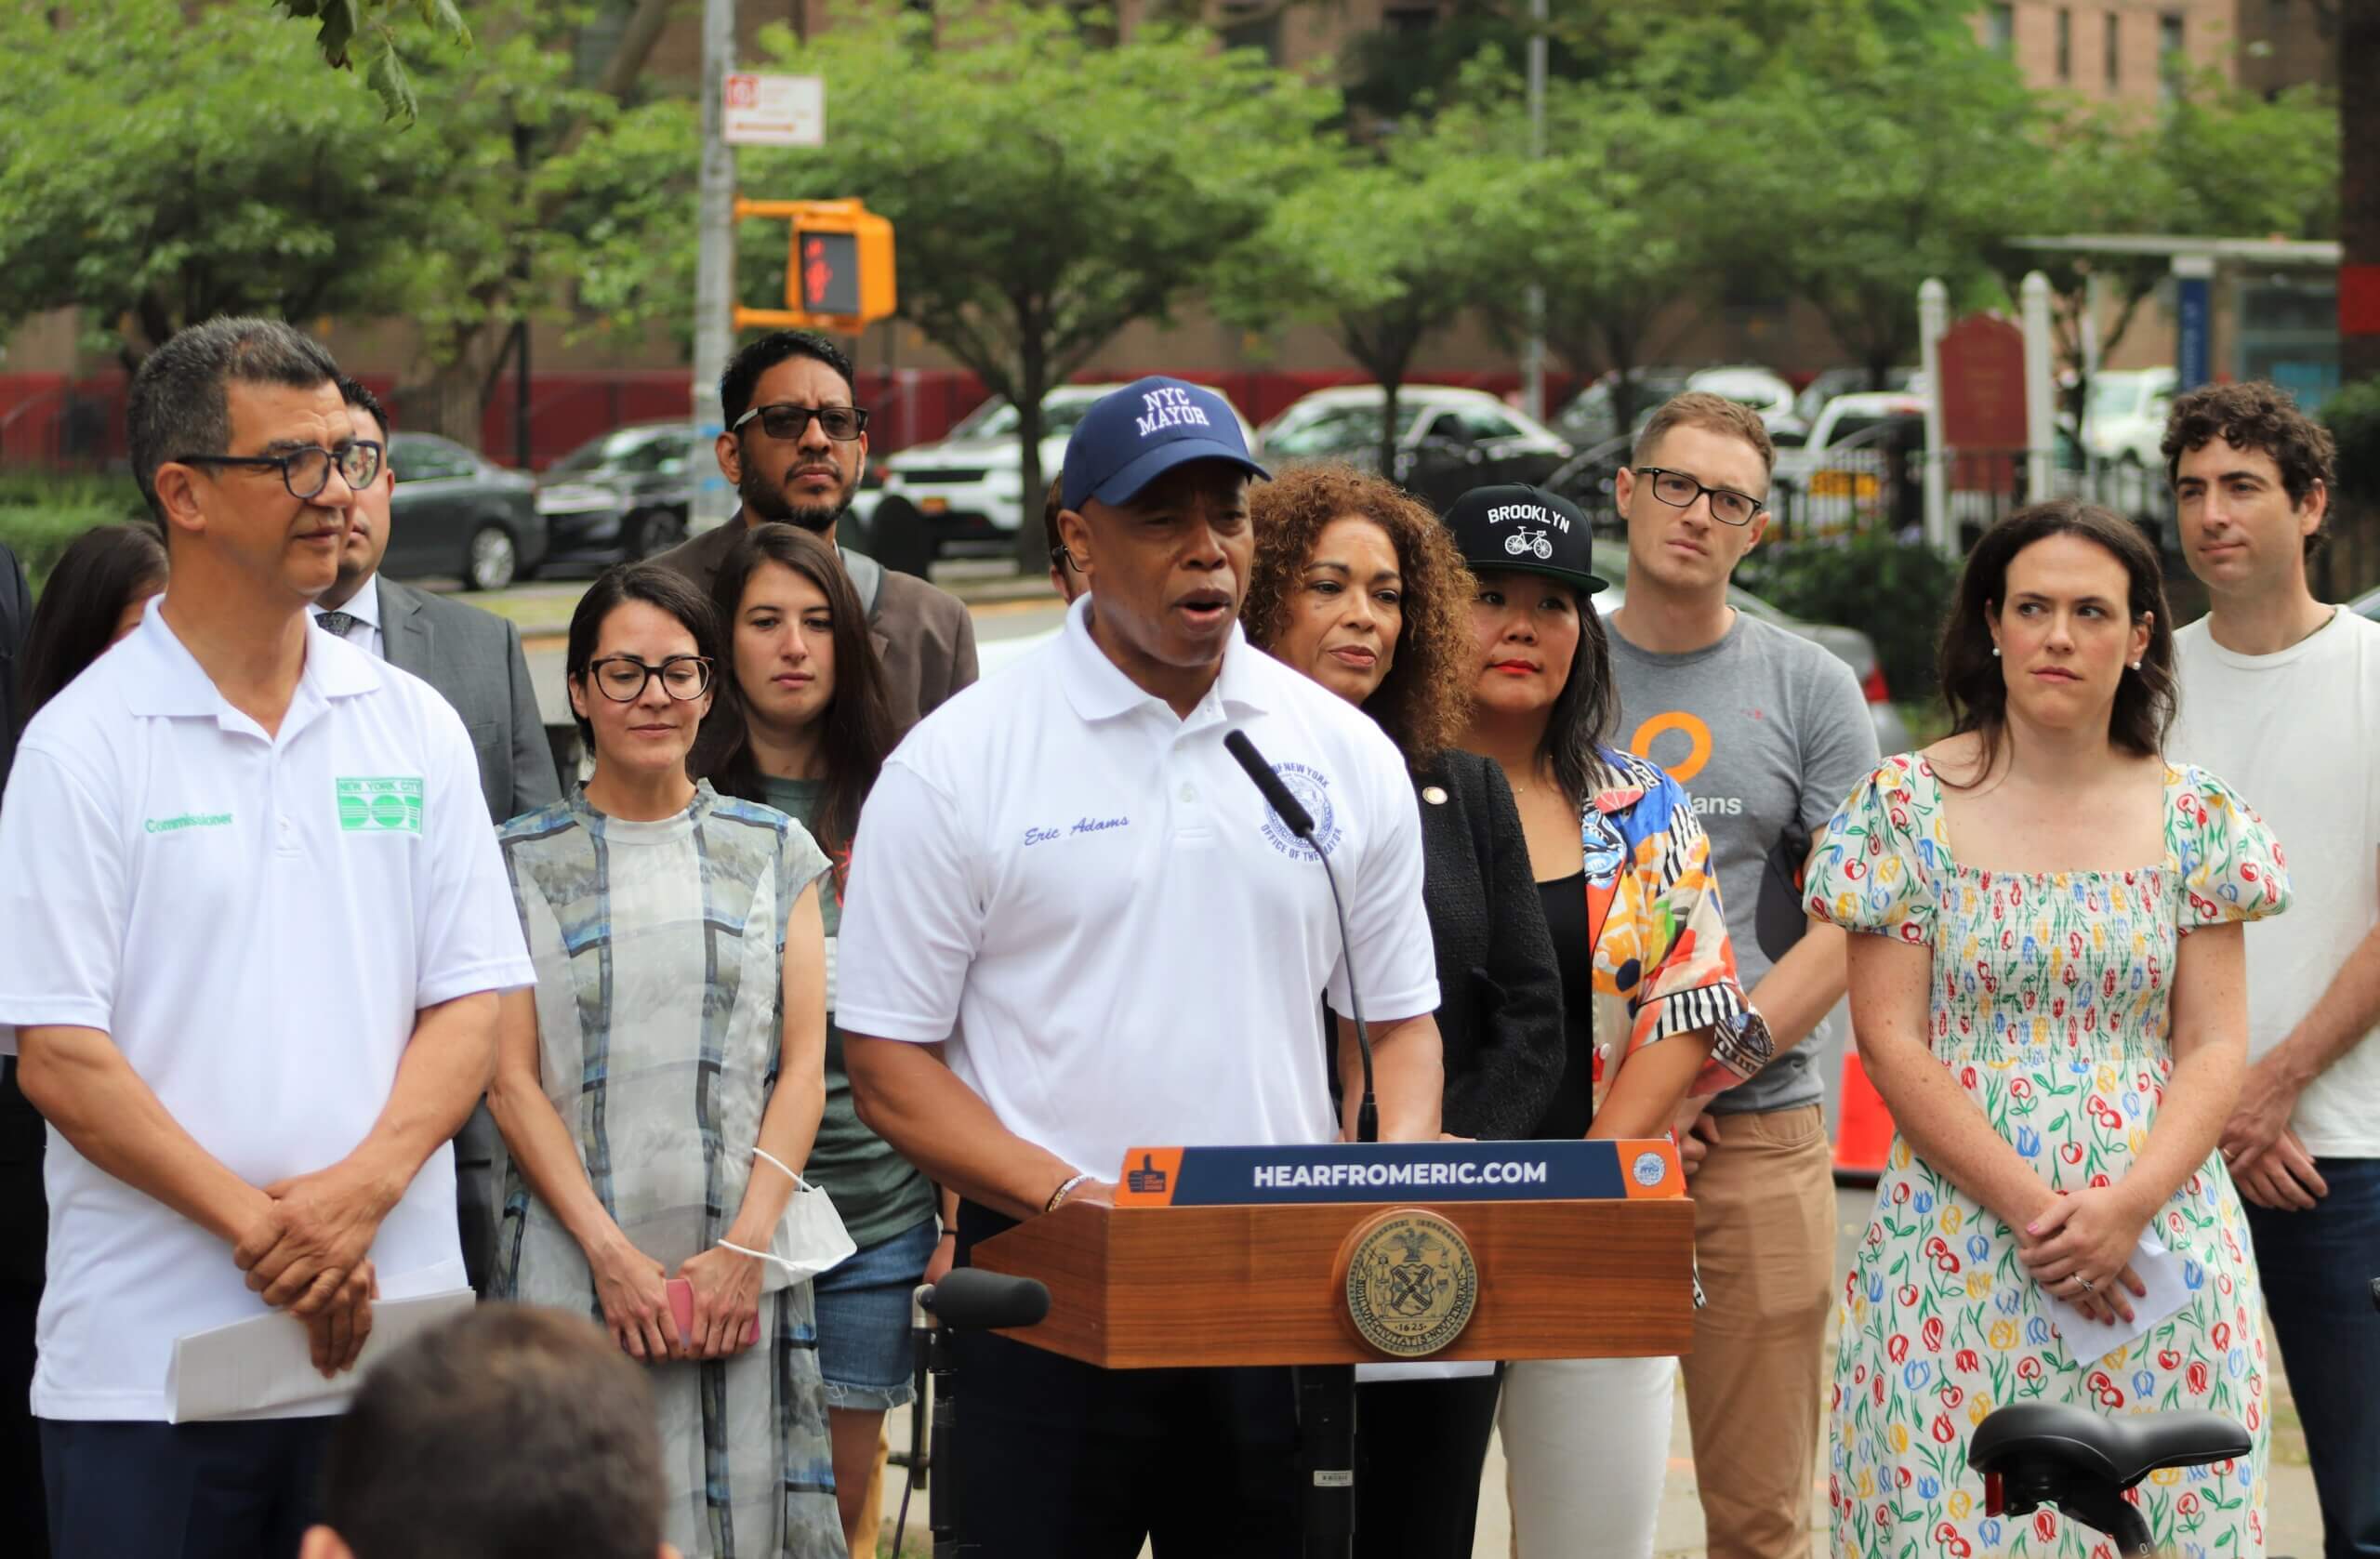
(621, 679)
(786, 421)
(1679, 491)
(307, 471)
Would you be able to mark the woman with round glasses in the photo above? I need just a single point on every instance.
(660, 1086)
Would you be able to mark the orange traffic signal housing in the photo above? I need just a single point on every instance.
(839, 267)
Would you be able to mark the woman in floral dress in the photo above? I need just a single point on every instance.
(2053, 1005)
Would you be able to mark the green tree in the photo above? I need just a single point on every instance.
(242, 183)
(1389, 245)
(1865, 164)
(1045, 190)
(348, 31)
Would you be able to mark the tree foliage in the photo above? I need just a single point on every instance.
(1045, 191)
(374, 33)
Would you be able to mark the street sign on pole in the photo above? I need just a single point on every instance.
(1933, 319)
(775, 110)
(2194, 320)
(712, 499)
(2041, 409)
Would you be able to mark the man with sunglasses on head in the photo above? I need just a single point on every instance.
(1768, 732)
(795, 447)
(257, 926)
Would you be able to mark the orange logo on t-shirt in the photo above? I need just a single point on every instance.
(1697, 735)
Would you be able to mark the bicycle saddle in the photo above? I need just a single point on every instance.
(2120, 1450)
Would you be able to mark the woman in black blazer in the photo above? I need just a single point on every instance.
(1358, 587)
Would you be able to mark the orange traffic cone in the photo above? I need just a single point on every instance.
(1863, 1127)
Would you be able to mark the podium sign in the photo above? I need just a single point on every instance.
(1345, 1253)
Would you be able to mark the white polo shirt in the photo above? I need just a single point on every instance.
(1130, 944)
(254, 922)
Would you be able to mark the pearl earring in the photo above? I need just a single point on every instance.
(2136, 665)
(1995, 652)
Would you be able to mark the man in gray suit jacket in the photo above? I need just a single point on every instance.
(474, 658)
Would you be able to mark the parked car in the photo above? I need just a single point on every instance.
(456, 512)
(1448, 438)
(1831, 382)
(2124, 419)
(623, 495)
(1592, 416)
(967, 486)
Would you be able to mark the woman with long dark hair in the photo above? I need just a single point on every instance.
(95, 595)
(660, 1086)
(1651, 1007)
(103, 581)
(804, 727)
(1357, 586)
(2051, 999)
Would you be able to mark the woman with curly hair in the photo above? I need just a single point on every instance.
(1358, 587)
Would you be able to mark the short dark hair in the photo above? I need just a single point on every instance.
(2255, 415)
(857, 730)
(1973, 684)
(179, 402)
(353, 392)
(509, 1432)
(744, 370)
(615, 586)
(87, 592)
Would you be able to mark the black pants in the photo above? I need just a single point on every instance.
(1420, 1450)
(144, 1490)
(24, 1513)
(1057, 1459)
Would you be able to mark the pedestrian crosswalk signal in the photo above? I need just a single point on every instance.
(839, 266)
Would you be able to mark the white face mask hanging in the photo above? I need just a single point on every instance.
(809, 1239)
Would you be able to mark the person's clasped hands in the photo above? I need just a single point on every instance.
(308, 1252)
(2079, 1249)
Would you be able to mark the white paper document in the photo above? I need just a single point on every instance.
(1424, 1369)
(263, 1367)
(2159, 1272)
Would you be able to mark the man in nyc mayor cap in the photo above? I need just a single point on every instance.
(1168, 594)
(1076, 929)
(1527, 530)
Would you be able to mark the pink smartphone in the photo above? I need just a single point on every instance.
(681, 1307)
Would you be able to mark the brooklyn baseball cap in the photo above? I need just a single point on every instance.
(1133, 436)
(1524, 529)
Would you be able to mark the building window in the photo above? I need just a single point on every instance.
(2000, 28)
(2065, 44)
(1409, 20)
(2114, 50)
(2172, 65)
(1252, 24)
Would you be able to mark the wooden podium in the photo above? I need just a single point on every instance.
(1228, 1256)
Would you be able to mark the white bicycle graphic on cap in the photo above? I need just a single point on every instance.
(1521, 543)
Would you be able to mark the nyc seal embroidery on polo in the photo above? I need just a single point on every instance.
(383, 804)
(1313, 790)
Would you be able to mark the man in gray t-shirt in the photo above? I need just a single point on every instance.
(1768, 732)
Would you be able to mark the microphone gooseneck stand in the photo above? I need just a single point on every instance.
(1326, 1392)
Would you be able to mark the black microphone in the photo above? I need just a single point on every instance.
(970, 1299)
(1297, 820)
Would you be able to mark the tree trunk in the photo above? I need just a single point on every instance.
(1032, 389)
(452, 401)
(2359, 39)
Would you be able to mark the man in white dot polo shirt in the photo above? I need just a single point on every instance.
(257, 923)
(1064, 873)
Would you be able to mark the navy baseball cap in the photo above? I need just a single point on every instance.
(1526, 529)
(1136, 434)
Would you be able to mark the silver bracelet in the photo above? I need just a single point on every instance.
(1060, 1193)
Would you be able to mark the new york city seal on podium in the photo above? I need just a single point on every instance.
(1410, 1281)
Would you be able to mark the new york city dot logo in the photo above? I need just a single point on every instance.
(385, 804)
(1313, 791)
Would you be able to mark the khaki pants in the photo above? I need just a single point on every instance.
(1764, 1247)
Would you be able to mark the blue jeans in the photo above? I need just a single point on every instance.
(2319, 1268)
(864, 1321)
